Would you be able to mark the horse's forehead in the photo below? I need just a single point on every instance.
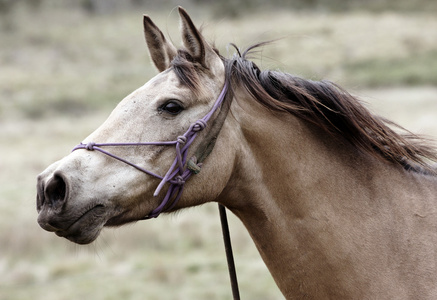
(163, 79)
(165, 84)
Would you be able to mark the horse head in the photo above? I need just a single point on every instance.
(87, 190)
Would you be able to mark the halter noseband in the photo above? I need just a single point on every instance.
(177, 174)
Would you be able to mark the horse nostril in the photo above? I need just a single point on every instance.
(55, 191)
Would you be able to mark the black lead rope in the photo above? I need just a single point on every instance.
(229, 254)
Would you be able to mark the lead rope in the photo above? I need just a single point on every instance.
(229, 254)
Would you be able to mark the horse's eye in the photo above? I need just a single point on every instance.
(172, 107)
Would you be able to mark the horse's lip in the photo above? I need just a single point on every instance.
(49, 227)
(75, 231)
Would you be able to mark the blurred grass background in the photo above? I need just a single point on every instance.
(65, 64)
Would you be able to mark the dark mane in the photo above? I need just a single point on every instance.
(332, 109)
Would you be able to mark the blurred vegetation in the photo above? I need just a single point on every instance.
(235, 8)
(410, 71)
(231, 7)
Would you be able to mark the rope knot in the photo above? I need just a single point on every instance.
(181, 139)
(90, 146)
(179, 180)
(199, 125)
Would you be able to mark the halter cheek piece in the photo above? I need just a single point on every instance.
(181, 170)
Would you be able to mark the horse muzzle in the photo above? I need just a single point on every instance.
(79, 222)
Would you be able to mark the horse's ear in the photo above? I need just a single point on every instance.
(193, 41)
(161, 51)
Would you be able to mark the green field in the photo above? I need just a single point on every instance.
(63, 70)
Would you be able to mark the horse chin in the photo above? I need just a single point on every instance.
(80, 237)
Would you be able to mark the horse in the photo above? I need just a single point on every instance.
(340, 203)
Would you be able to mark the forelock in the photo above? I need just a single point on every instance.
(187, 70)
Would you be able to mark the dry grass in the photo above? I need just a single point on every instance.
(62, 72)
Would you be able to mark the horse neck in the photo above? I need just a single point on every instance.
(301, 195)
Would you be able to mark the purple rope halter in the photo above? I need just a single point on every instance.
(177, 174)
